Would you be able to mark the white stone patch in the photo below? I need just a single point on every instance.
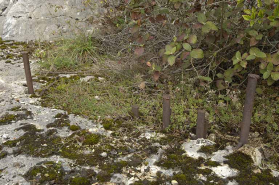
(219, 156)
(191, 147)
(224, 171)
(149, 135)
(87, 78)
(275, 173)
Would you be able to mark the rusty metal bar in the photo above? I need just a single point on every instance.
(28, 72)
(166, 111)
(135, 111)
(201, 129)
(248, 109)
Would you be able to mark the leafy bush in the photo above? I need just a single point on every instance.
(221, 41)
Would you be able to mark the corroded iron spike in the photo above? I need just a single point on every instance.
(248, 109)
(135, 111)
(28, 72)
(201, 129)
(166, 111)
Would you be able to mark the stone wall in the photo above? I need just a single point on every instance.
(24, 20)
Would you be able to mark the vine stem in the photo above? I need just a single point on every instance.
(191, 60)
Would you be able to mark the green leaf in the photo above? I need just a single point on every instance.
(253, 33)
(266, 74)
(219, 75)
(270, 81)
(229, 73)
(211, 25)
(193, 39)
(257, 52)
(238, 55)
(201, 18)
(170, 50)
(197, 53)
(259, 37)
(260, 4)
(243, 63)
(251, 57)
(205, 78)
(259, 90)
(206, 28)
(247, 11)
(187, 47)
(171, 60)
(269, 66)
(246, 17)
(178, 46)
(263, 65)
(275, 76)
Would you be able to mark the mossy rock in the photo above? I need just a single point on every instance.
(74, 127)
(7, 119)
(91, 139)
(46, 172)
(3, 154)
(80, 181)
(62, 120)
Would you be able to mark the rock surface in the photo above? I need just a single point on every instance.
(25, 20)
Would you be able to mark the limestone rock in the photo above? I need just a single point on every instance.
(25, 20)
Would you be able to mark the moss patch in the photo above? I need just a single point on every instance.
(62, 120)
(46, 172)
(80, 181)
(74, 127)
(244, 164)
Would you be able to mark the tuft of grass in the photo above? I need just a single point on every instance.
(70, 54)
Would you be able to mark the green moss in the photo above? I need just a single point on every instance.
(239, 161)
(9, 56)
(8, 61)
(107, 170)
(244, 164)
(17, 108)
(46, 172)
(91, 139)
(7, 119)
(208, 149)
(80, 181)
(3, 47)
(62, 120)
(212, 163)
(3, 154)
(14, 47)
(74, 127)
(107, 123)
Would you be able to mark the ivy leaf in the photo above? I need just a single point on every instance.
(247, 11)
(201, 18)
(187, 47)
(269, 66)
(246, 17)
(253, 33)
(205, 78)
(193, 39)
(266, 74)
(219, 75)
(238, 55)
(170, 50)
(270, 81)
(197, 53)
(211, 25)
(275, 76)
(259, 91)
(257, 52)
(251, 57)
(219, 84)
(253, 41)
(206, 28)
(171, 60)
(259, 37)
(243, 63)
